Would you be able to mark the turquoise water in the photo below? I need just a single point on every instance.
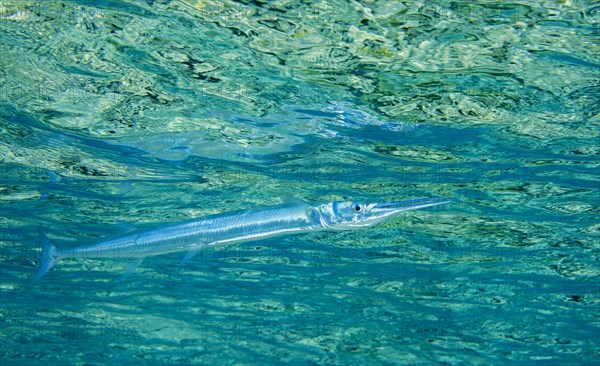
(149, 112)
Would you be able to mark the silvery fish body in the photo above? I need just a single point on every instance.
(230, 227)
(192, 236)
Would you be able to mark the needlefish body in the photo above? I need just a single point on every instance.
(191, 236)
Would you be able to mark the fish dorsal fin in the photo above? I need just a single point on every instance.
(289, 200)
(126, 227)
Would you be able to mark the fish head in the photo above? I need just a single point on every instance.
(348, 215)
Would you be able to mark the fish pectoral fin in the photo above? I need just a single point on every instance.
(132, 267)
(192, 253)
(289, 200)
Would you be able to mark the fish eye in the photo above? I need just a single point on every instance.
(357, 208)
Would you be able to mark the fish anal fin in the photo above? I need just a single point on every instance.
(132, 267)
(193, 252)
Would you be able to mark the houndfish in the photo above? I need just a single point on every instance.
(192, 236)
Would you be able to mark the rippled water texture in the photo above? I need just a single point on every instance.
(148, 112)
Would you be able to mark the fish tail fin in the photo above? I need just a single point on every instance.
(50, 256)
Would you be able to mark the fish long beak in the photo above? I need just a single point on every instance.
(411, 204)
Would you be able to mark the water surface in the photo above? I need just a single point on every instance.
(150, 112)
